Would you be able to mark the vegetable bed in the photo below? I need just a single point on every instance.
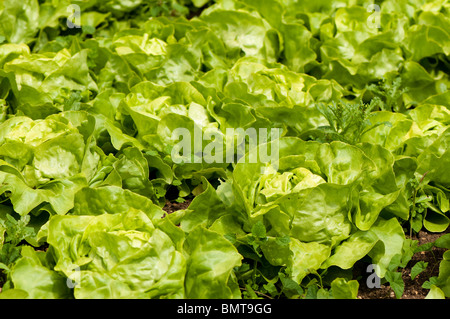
(224, 149)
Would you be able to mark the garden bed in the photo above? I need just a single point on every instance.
(224, 149)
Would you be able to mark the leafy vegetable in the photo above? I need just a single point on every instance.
(303, 137)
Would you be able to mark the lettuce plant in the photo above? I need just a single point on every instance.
(94, 94)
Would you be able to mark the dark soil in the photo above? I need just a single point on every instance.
(413, 288)
(171, 207)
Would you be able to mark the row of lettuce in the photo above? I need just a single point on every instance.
(86, 140)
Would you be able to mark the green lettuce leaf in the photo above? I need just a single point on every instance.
(210, 265)
(117, 256)
(46, 284)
